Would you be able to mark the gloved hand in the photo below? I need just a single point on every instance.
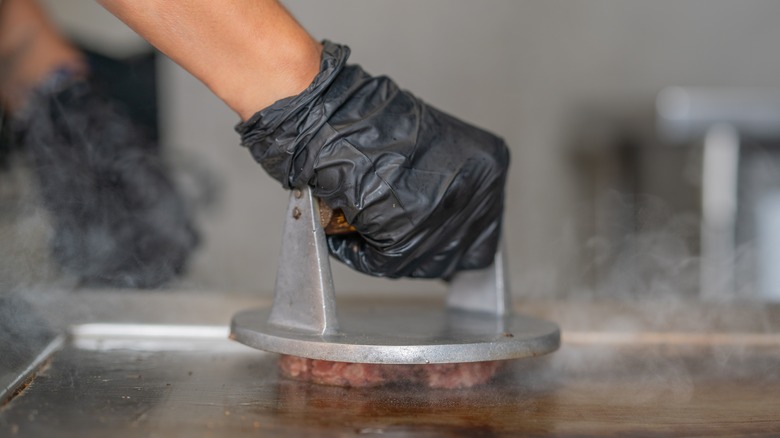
(424, 189)
(118, 219)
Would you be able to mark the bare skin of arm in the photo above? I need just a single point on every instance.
(250, 53)
(30, 49)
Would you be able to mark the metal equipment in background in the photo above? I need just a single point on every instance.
(736, 195)
(477, 323)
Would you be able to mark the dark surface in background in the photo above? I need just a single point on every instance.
(132, 81)
(129, 82)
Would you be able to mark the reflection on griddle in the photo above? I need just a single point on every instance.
(521, 393)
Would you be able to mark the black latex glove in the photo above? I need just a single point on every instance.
(118, 219)
(424, 189)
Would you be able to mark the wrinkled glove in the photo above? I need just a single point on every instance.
(424, 190)
(118, 219)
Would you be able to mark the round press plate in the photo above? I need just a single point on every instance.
(403, 333)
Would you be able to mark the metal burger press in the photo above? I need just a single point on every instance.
(476, 324)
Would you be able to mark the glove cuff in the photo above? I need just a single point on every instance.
(284, 128)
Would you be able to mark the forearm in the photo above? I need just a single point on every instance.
(250, 53)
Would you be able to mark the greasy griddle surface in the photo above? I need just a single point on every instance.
(216, 389)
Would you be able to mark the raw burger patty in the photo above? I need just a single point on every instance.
(364, 375)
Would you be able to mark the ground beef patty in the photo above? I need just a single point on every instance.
(364, 375)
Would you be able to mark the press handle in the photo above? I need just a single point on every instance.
(334, 221)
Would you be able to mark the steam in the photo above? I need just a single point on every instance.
(116, 217)
(24, 232)
(639, 276)
(646, 250)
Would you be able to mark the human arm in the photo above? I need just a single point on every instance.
(424, 190)
(250, 53)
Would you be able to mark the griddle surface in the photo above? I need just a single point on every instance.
(215, 387)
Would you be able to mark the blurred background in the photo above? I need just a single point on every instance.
(643, 138)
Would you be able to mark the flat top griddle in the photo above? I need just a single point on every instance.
(184, 380)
